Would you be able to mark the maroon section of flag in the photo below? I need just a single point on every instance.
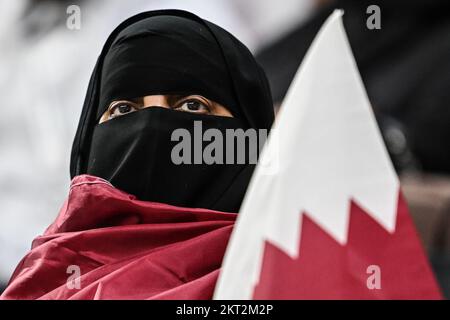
(123, 249)
(373, 264)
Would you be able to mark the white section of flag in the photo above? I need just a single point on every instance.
(325, 149)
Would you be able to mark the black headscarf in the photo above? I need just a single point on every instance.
(169, 52)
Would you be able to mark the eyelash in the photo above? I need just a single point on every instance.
(118, 104)
(200, 100)
(176, 106)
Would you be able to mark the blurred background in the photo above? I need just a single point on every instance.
(45, 67)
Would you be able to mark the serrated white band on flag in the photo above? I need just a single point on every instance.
(328, 150)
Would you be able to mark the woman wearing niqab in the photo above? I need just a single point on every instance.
(136, 225)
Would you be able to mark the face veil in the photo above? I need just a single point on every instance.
(169, 52)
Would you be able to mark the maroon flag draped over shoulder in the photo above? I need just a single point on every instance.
(123, 249)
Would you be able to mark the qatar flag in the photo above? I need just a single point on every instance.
(324, 217)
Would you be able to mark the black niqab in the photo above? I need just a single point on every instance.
(169, 52)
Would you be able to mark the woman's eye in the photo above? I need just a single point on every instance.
(121, 109)
(193, 106)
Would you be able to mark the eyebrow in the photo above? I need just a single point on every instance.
(134, 100)
(174, 98)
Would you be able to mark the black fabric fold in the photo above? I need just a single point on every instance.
(169, 52)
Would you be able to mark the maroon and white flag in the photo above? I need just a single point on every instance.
(324, 217)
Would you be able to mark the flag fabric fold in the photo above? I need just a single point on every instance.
(323, 217)
(123, 249)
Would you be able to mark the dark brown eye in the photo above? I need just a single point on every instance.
(194, 106)
(121, 108)
(124, 108)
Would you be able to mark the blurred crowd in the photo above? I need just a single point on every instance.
(45, 68)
